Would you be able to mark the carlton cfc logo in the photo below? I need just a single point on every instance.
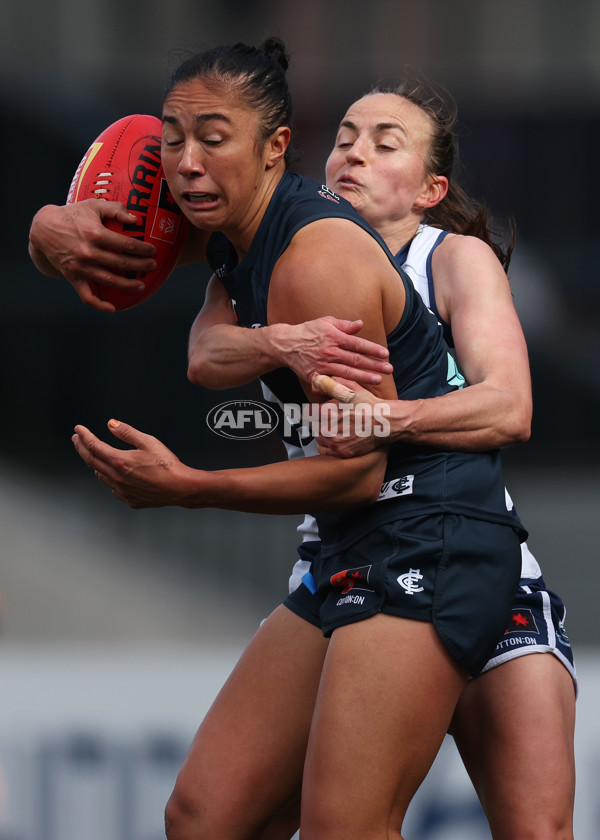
(409, 581)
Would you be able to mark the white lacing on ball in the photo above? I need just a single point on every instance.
(99, 186)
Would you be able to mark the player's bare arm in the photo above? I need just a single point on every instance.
(223, 355)
(472, 292)
(364, 285)
(150, 475)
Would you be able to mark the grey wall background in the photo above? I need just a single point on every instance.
(526, 77)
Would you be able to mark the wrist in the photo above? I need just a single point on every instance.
(404, 420)
(275, 345)
(41, 262)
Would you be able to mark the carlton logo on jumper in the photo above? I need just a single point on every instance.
(242, 420)
(409, 581)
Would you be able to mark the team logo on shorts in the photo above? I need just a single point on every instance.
(521, 620)
(409, 581)
(352, 579)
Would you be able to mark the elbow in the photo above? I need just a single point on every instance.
(365, 496)
(199, 375)
(523, 434)
(366, 485)
(516, 427)
(194, 373)
(372, 490)
(201, 372)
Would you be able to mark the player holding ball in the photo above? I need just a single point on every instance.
(224, 157)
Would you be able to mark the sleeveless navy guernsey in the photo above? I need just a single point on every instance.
(419, 480)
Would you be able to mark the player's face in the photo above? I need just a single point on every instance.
(212, 158)
(378, 161)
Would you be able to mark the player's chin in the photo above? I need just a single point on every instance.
(204, 218)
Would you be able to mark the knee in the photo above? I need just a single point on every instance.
(186, 818)
(195, 814)
(179, 817)
(530, 825)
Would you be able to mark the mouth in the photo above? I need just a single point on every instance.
(197, 199)
(347, 181)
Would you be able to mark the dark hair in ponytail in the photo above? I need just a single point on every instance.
(457, 212)
(257, 74)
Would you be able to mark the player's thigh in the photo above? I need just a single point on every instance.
(249, 750)
(385, 701)
(514, 727)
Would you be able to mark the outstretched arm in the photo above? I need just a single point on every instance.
(150, 475)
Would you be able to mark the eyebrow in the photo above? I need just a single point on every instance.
(199, 118)
(384, 126)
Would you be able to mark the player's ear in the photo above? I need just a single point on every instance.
(434, 190)
(276, 145)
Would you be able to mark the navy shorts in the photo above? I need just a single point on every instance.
(536, 625)
(457, 572)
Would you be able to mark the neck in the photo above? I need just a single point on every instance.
(242, 234)
(398, 232)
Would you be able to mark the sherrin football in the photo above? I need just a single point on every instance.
(123, 164)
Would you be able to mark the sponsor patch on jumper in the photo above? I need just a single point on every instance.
(521, 621)
(325, 192)
(396, 487)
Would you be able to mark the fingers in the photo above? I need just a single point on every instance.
(106, 255)
(88, 297)
(330, 388)
(108, 211)
(356, 344)
(356, 374)
(108, 265)
(128, 434)
(361, 347)
(94, 452)
(348, 327)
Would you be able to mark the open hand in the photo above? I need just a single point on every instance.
(148, 475)
(330, 345)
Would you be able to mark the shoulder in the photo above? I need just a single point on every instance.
(460, 259)
(336, 244)
(456, 250)
(466, 272)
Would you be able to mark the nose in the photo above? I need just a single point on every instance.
(357, 151)
(191, 162)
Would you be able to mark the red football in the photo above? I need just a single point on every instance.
(123, 164)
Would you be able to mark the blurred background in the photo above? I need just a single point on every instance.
(118, 627)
